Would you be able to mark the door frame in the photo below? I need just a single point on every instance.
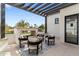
(65, 28)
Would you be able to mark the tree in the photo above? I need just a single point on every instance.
(35, 26)
(22, 24)
(41, 27)
(8, 29)
(31, 26)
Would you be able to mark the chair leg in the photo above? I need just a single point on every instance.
(48, 42)
(54, 42)
(29, 51)
(45, 41)
(41, 46)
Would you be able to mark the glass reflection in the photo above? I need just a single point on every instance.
(71, 29)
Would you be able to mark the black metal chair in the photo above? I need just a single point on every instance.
(46, 38)
(34, 46)
(22, 40)
(40, 36)
(50, 39)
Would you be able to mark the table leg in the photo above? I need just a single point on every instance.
(20, 43)
(37, 49)
(29, 51)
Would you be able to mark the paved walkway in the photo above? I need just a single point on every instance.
(63, 49)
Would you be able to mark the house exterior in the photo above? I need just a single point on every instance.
(60, 28)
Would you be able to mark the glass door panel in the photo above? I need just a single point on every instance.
(71, 29)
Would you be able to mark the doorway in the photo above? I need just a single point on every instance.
(71, 29)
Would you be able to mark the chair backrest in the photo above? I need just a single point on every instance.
(34, 43)
(51, 37)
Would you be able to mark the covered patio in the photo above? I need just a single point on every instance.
(43, 9)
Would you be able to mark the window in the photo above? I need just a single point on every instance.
(56, 20)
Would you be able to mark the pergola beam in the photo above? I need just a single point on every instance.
(41, 7)
(35, 6)
(30, 6)
(27, 7)
(17, 5)
(49, 6)
(24, 8)
(57, 5)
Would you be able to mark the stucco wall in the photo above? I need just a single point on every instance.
(53, 28)
(74, 9)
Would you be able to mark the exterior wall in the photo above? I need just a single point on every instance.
(53, 28)
(58, 29)
(74, 9)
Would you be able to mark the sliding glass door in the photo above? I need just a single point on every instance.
(71, 29)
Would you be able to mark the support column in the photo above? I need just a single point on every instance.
(45, 24)
(2, 20)
(78, 29)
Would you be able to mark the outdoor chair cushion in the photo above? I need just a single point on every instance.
(33, 39)
(24, 42)
(33, 46)
(46, 38)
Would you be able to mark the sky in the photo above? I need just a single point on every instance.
(14, 15)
